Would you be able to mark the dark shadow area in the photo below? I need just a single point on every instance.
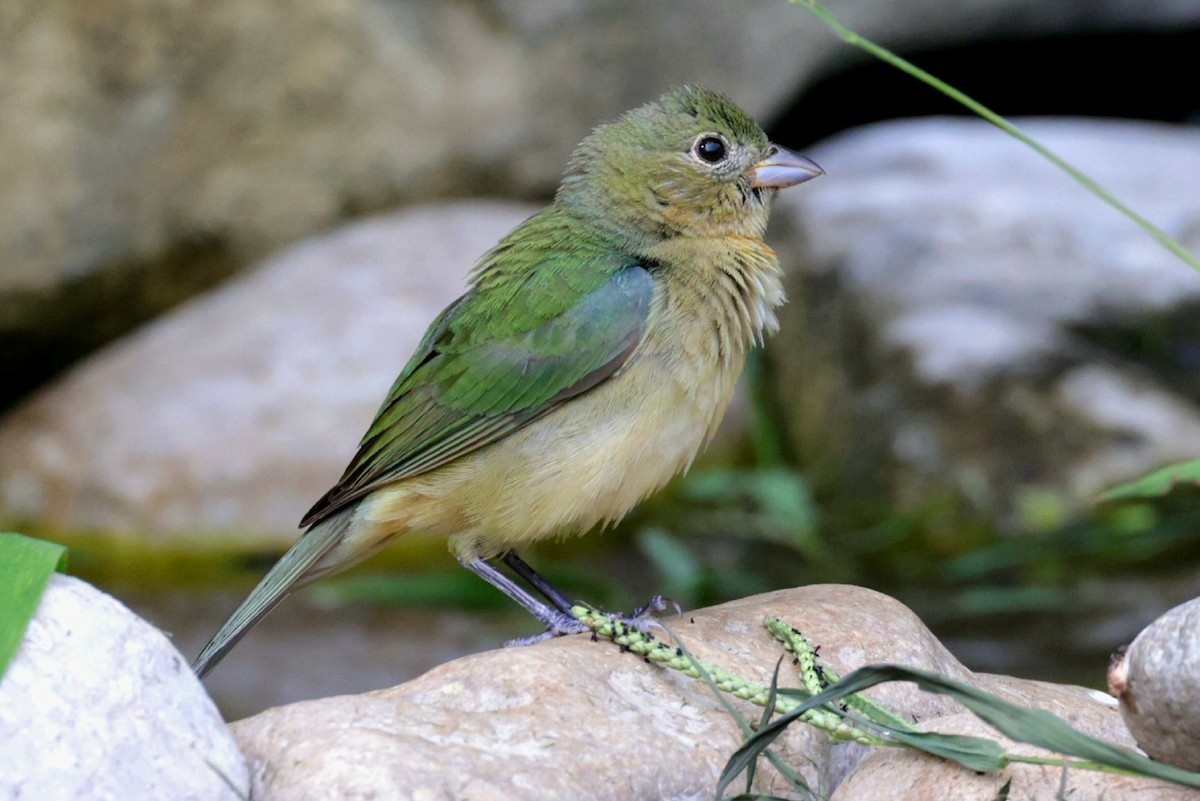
(1144, 76)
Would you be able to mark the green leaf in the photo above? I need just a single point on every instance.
(794, 779)
(25, 568)
(1158, 483)
(1032, 726)
(976, 753)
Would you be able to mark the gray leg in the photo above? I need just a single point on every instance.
(557, 622)
(548, 590)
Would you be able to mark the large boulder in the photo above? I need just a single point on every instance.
(98, 704)
(232, 415)
(970, 330)
(574, 718)
(149, 148)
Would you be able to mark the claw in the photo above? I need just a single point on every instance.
(656, 604)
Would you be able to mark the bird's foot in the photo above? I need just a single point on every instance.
(557, 625)
(641, 619)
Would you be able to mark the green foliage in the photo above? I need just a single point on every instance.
(683, 575)
(25, 568)
(1157, 484)
(1033, 726)
(783, 510)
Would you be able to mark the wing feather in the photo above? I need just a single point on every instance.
(467, 387)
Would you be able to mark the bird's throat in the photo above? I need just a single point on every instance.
(720, 294)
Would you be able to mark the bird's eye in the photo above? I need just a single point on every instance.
(710, 148)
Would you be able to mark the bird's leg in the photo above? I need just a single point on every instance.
(535, 580)
(640, 619)
(656, 604)
(557, 622)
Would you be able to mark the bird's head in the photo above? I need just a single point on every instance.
(689, 164)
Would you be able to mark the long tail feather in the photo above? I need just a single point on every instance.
(279, 582)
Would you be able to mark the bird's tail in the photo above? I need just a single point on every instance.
(295, 565)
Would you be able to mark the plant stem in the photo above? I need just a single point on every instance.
(882, 53)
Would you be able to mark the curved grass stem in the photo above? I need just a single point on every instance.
(887, 56)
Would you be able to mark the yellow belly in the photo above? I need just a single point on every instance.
(588, 462)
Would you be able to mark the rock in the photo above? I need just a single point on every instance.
(958, 321)
(574, 718)
(98, 704)
(233, 414)
(1158, 684)
(149, 149)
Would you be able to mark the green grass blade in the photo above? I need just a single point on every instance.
(1158, 483)
(795, 779)
(882, 53)
(25, 567)
(1033, 726)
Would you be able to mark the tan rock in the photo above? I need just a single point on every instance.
(234, 413)
(574, 718)
(955, 330)
(1157, 681)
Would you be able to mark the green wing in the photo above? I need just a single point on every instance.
(523, 341)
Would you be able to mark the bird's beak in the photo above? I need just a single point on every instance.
(783, 168)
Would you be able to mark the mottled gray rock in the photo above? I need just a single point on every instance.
(1157, 681)
(961, 321)
(572, 718)
(97, 705)
(147, 149)
(234, 413)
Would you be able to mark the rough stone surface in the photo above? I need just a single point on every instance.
(573, 718)
(98, 705)
(965, 321)
(147, 149)
(1158, 685)
(233, 414)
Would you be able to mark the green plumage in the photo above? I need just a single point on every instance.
(552, 310)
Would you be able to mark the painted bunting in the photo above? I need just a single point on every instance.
(594, 352)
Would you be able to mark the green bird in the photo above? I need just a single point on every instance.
(593, 354)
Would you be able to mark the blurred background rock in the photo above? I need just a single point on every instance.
(974, 347)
